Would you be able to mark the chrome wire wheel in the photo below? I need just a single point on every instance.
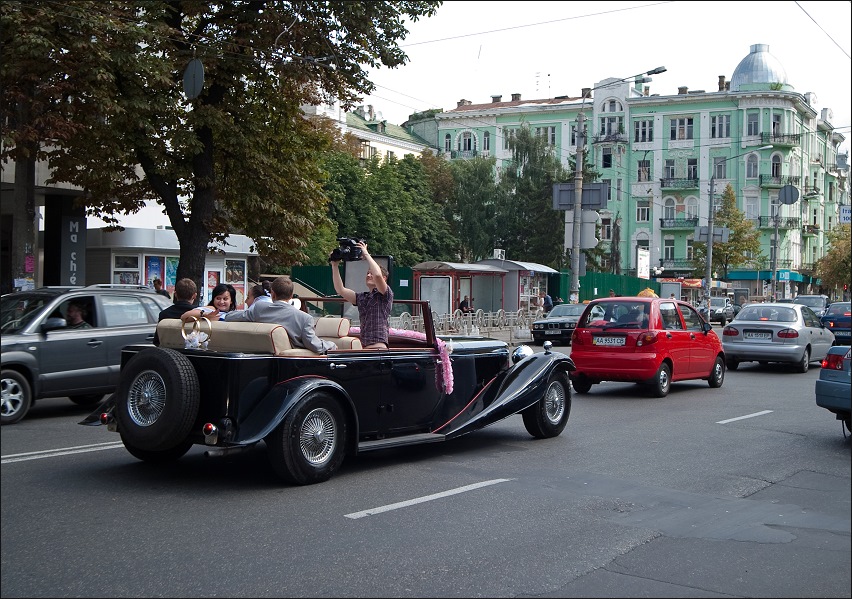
(554, 400)
(318, 436)
(146, 398)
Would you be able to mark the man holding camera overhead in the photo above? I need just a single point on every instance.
(374, 305)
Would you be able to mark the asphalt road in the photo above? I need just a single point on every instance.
(742, 491)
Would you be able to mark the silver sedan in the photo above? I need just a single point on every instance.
(776, 332)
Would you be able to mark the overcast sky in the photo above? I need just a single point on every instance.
(473, 50)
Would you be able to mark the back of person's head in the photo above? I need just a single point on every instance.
(185, 290)
(256, 291)
(265, 285)
(224, 288)
(282, 287)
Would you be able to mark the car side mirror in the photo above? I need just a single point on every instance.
(707, 327)
(52, 324)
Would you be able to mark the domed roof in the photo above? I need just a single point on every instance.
(759, 67)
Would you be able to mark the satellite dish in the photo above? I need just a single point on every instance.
(193, 78)
(788, 195)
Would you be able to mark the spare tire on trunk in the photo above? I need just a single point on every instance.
(157, 399)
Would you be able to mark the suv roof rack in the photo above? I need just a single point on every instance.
(115, 286)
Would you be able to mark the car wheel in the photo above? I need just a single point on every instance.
(581, 384)
(548, 416)
(805, 362)
(16, 396)
(662, 381)
(717, 375)
(90, 399)
(310, 444)
(848, 423)
(158, 457)
(157, 400)
(732, 364)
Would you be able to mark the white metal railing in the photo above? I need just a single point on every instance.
(471, 323)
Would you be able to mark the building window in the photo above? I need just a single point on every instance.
(681, 129)
(548, 133)
(608, 183)
(776, 166)
(720, 168)
(670, 169)
(448, 143)
(486, 141)
(643, 131)
(508, 134)
(610, 125)
(752, 124)
(389, 155)
(643, 211)
(752, 208)
(691, 207)
(573, 135)
(607, 158)
(692, 168)
(776, 124)
(751, 167)
(612, 106)
(668, 249)
(126, 270)
(467, 142)
(618, 190)
(720, 126)
(606, 229)
(367, 151)
(690, 249)
(669, 209)
(644, 173)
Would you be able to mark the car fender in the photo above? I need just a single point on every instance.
(271, 410)
(522, 386)
(26, 363)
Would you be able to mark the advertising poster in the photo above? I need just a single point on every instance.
(171, 275)
(153, 269)
(235, 271)
(213, 279)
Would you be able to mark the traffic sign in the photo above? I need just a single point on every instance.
(845, 215)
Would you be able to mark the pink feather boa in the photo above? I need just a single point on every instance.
(444, 374)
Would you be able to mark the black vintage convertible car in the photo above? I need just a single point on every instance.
(229, 385)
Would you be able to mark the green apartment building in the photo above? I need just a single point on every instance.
(659, 153)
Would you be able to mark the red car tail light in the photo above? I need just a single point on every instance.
(730, 332)
(788, 334)
(833, 362)
(576, 338)
(646, 339)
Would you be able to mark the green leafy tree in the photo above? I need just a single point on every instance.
(475, 197)
(835, 266)
(526, 202)
(743, 243)
(239, 157)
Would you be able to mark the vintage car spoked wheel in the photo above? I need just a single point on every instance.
(310, 444)
(157, 400)
(717, 376)
(548, 416)
(662, 381)
(16, 397)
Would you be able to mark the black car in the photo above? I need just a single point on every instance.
(250, 385)
(558, 325)
(45, 355)
(838, 320)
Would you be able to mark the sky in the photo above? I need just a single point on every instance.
(473, 50)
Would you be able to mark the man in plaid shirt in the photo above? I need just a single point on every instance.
(374, 305)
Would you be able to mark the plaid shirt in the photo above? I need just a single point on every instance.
(373, 312)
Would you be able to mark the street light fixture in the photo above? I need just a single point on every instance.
(578, 180)
(708, 266)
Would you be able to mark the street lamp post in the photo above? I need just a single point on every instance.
(708, 266)
(578, 181)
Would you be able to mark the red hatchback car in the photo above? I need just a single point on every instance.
(644, 340)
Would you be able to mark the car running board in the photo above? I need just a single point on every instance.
(400, 441)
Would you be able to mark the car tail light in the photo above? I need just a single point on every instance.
(788, 333)
(646, 339)
(730, 332)
(833, 362)
(830, 323)
(576, 339)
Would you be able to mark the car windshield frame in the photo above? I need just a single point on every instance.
(557, 311)
(18, 310)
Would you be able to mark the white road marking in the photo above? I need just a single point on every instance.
(744, 417)
(402, 504)
(52, 453)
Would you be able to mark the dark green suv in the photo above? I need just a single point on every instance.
(66, 341)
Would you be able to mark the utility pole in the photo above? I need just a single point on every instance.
(708, 267)
(578, 206)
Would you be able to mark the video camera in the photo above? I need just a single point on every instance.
(348, 250)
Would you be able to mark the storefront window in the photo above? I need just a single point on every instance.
(126, 270)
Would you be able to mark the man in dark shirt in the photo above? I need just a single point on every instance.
(186, 293)
(158, 287)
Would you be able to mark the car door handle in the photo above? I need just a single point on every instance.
(94, 343)
(668, 335)
(334, 366)
(692, 335)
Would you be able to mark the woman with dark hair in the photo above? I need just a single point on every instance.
(224, 300)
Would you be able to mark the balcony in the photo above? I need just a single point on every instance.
(808, 268)
(810, 229)
(770, 181)
(610, 138)
(785, 222)
(464, 154)
(678, 223)
(670, 183)
(781, 139)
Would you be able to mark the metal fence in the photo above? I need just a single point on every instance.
(518, 324)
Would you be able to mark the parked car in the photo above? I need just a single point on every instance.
(784, 300)
(45, 356)
(645, 340)
(764, 333)
(249, 385)
(817, 303)
(721, 310)
(837, 320)
(834, 385)
(558, 324)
